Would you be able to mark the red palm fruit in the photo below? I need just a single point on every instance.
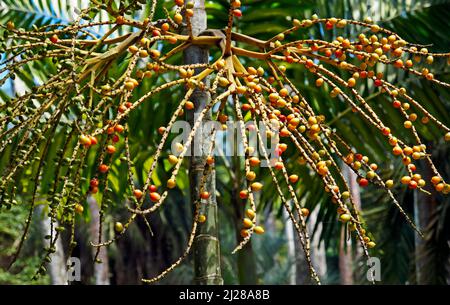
(246, 107)
(85, 140)
(161, 130)
(284, 132)
(398, 63)
(189, 105)
(254, 161)
(223, 118)
(110, 149)
(118, 128)
(396, 104)
(386, 131)
(244, 233)
(93, 140)
(282, 146)
(289, 59)
(138, 194)
(93, 182)
(363, 182)
(165, 27)
(279, 166)
(322, 170)
(54, 38)
(237, 13)
(435, 179)
(154, 196)
(243, 194)
(293, 178)
(397, 150)
(120, 20)
(309, 63)
(440, 187)
(412, 184)
(204, 195)
(122, 108)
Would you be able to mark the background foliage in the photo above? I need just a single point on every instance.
(141, 254)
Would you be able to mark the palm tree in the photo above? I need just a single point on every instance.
(263, 20)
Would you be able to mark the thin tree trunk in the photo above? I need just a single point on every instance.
(424, 208)
(246, 263)
(290, 236)
(318, 252)
(57, 266)
(101, 268)
(318, 255)
(346, 258)
(206, 245)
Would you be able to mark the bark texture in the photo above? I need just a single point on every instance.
(206, 247)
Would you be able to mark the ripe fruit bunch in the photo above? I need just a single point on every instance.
(89, 121)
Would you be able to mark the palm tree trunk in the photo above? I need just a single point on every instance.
(424, 208)
(206, 245)
(346, 259)
(317, 248)
(246, 263)
(318, 253)
(290, 240)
